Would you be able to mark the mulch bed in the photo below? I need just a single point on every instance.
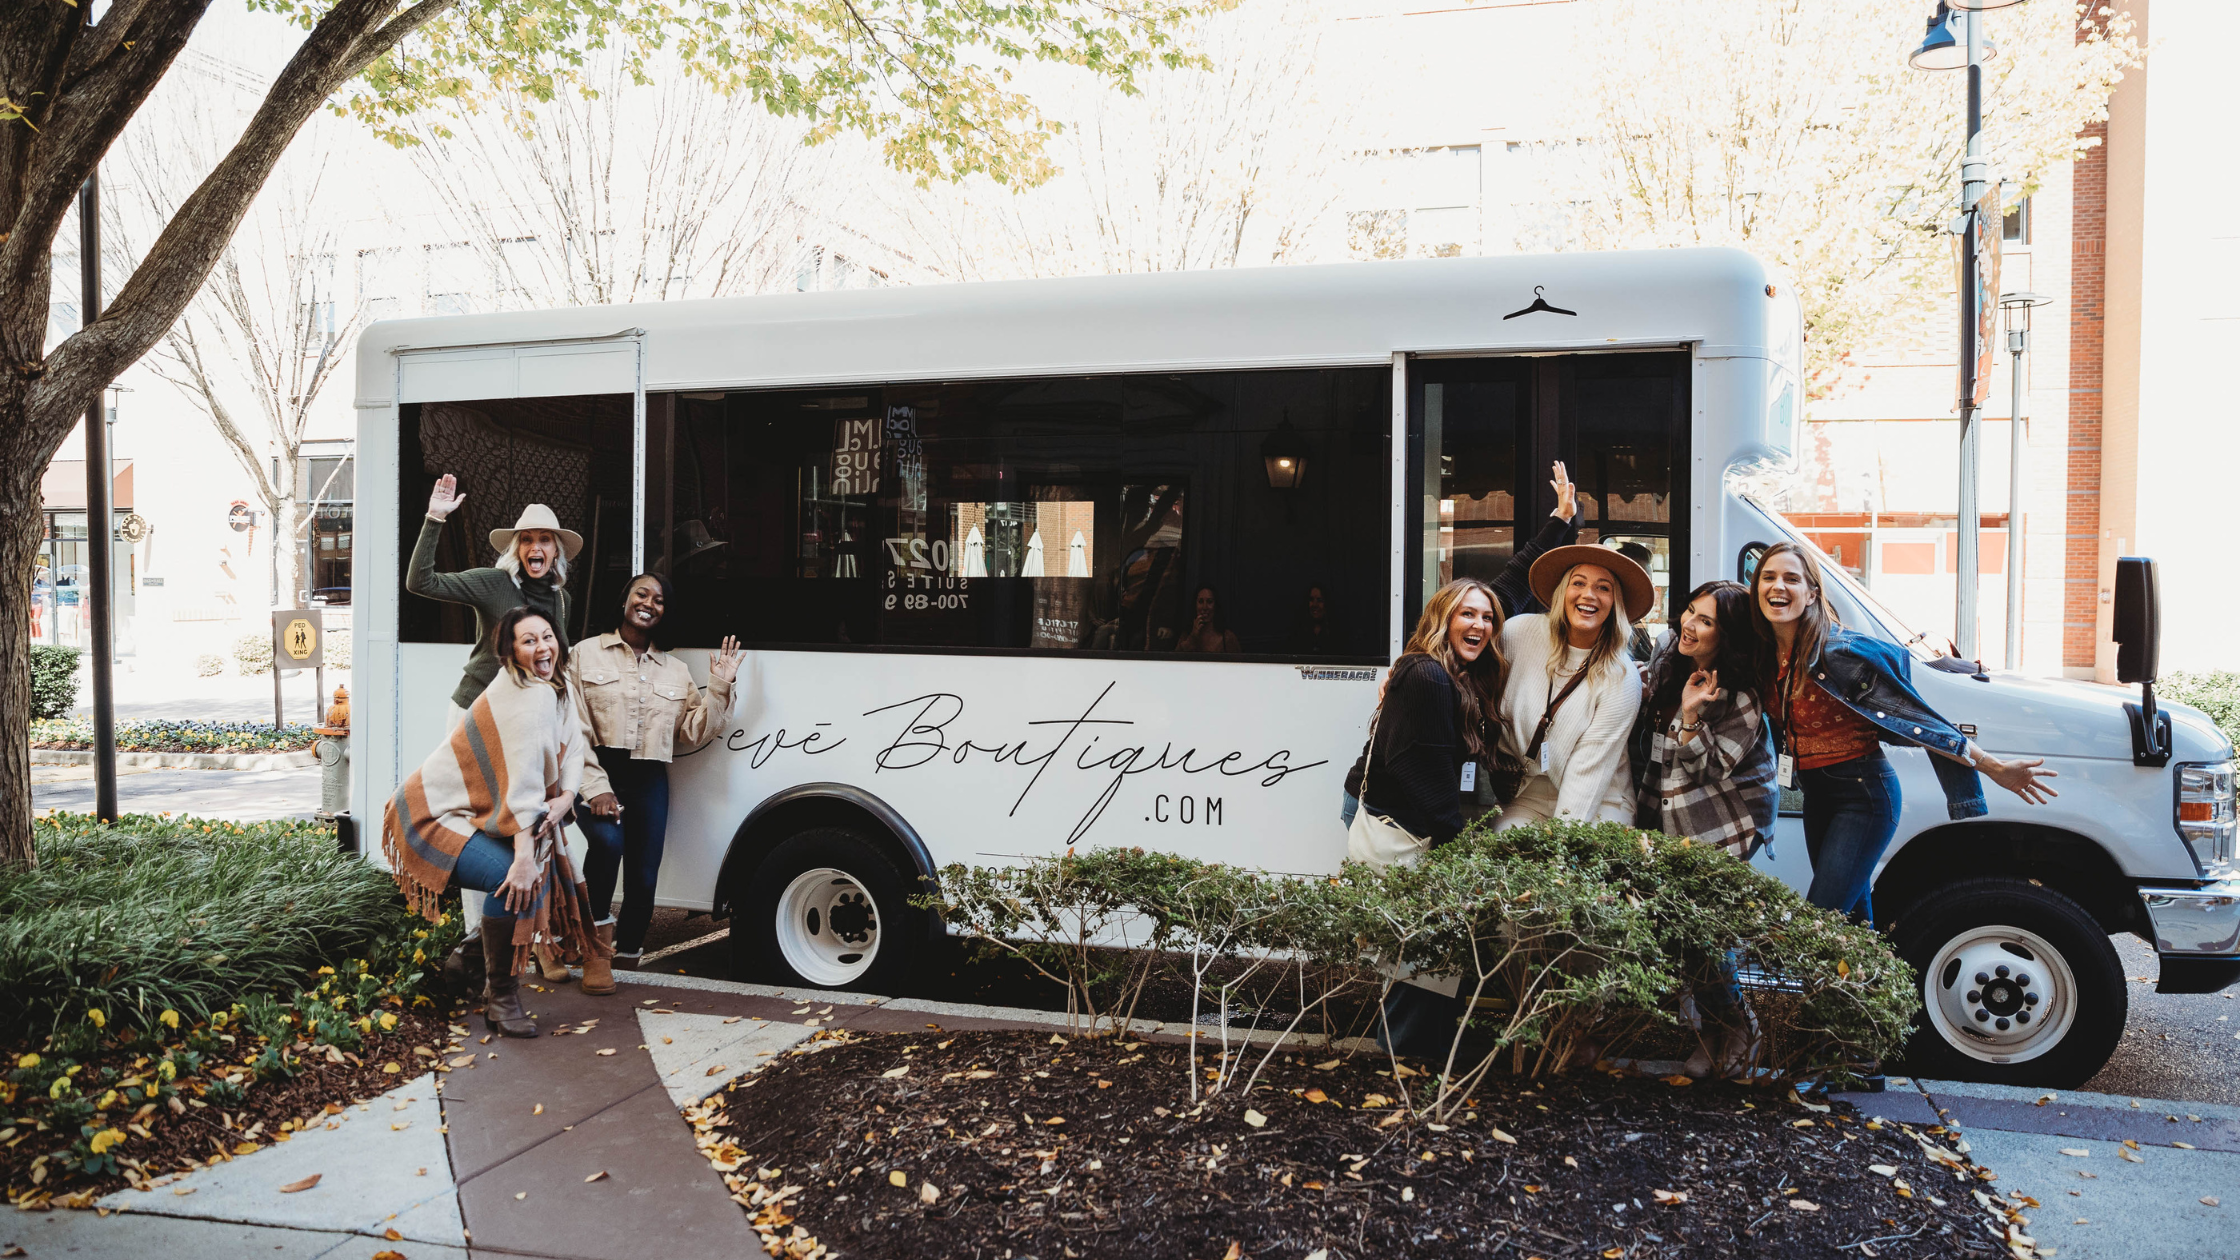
(205, 1133)
(1014, 1145)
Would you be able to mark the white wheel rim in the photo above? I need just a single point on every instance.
(2000, 994)
(828, 927)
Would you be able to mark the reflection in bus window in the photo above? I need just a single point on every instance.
(1075, 514)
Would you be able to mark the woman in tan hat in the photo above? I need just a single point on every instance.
(531, 571)
(1571, 695)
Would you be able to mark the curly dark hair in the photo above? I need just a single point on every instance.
(1739, 662)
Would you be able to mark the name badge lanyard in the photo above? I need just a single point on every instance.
(1787, 764)
(1538, 752)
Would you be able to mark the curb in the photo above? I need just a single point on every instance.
(297, 760)
(1025, 1016)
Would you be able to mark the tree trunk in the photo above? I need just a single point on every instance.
(21, 522)
(287, 547)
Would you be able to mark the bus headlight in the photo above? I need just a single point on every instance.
(2205, 814)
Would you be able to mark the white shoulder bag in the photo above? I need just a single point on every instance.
(1375, 839)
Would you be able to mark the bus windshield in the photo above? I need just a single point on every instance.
(1925, 647)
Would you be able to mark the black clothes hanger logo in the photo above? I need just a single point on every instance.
(1539, 304)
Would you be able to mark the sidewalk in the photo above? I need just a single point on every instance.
(2117, 1178)
(502, 1168)
(527, 1123)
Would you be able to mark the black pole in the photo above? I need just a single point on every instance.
(99, 531)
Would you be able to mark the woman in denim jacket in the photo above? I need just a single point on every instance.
(1835, 698)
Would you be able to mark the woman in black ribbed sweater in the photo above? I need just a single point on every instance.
(1431, 724)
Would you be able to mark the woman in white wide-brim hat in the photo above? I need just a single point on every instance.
(531, 571)
(1568, 704)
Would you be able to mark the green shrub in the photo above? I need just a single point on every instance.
(252, 654)
(2215, 692)
(180, 914)
(54, 681)
(1570, 937)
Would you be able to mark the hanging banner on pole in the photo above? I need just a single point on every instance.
(1979, 293)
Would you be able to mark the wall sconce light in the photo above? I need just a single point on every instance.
(1285, 456)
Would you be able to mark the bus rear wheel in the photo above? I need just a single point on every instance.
(828, 909)
(2019, 986)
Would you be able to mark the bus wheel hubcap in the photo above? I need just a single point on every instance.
(828, 927)
(2000, 994)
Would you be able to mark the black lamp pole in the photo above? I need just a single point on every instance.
(99, 530)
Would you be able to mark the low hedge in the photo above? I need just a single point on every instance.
(54, 681)
(186, 915)
(167, 736)
(1578, 941)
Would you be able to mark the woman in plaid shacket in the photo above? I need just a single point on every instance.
(1703, 763)
(1704, 769)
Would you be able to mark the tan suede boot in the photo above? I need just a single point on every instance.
(598, 968)
(549, 963)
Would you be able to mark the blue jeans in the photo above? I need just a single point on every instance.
(631, 844)
(1349, 809)
(1850, 816)
(482, 867)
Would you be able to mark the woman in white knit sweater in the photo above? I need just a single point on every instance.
(1572, 692)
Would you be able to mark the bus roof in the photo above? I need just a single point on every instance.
(1724, 302)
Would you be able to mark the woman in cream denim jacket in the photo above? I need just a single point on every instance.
(638, 705)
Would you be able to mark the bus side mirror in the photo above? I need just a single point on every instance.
(2138, 620)
(2138, 636)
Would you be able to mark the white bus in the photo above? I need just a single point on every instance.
(962, 528)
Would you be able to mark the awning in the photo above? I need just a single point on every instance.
(64, 486)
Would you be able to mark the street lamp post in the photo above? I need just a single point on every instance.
(1942, 49)
(2016, 307)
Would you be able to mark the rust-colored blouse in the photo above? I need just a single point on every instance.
(1816, 728)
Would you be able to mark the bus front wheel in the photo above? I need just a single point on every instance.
(2019, 986)
(828, 909)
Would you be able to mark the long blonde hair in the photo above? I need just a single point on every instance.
(1477, 682)
(1608, 653)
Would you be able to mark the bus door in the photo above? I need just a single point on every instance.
(1483, 432)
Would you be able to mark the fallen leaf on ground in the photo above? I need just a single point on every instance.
(713, 1070)
(305, 1184)
(1669, 1197)
(388, 1255)
(538, 1110)
(928, 1193)
(2126, 1155)
(1235, 1251)
(899, 1179)
(2185, 1146)
(603, 1052)
(2211, 1200)
(392, 1235)
(1678, 1079)
(391, 1069)
(1254, 1118)
(2077, 1152)
(892, 1073)
(1882, 1170)
(1804, 1205)
(1315, 1096)
(600, 1175)
(1324, 1067)
(1499, 1136)
(523, 1195)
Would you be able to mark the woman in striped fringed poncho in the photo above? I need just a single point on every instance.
(484, 813)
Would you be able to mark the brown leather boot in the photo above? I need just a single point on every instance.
(598, 968)
(501, 994)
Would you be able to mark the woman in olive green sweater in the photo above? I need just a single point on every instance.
(531, 571)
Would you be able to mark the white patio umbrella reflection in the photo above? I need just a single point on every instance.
(1033, 566)
(1077, 556)
(975, 554)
